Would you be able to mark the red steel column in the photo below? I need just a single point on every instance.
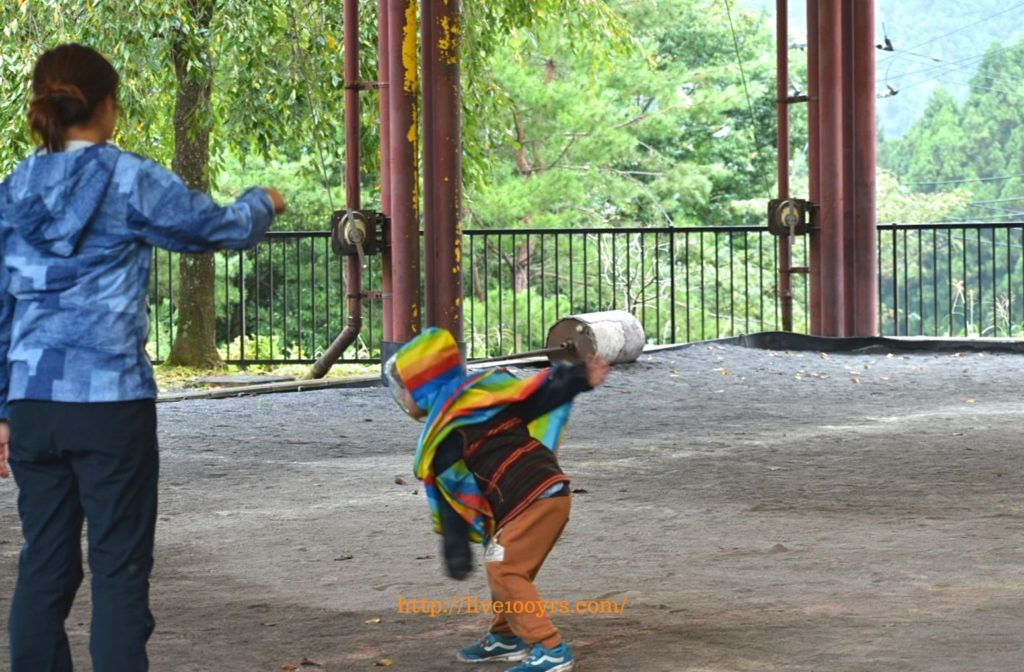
(845, 31)
(863, 271)
(429, 152)
(814, 159)
(785, 256)
(385, 163)
(443, 160)
(405, 242)
(830, 167)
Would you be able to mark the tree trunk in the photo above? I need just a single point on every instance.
(521, 266)
(195, 342)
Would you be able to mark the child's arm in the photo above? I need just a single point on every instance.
(458, 559)
(566, 382)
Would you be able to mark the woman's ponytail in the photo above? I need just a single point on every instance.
(68, 84)
(55, 109)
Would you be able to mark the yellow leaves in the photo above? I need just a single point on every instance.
(332, 44)
(384, 662)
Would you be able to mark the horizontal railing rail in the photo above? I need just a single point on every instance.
(284, 301)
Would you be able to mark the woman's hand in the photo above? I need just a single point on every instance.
(5, 439)
(275, 197)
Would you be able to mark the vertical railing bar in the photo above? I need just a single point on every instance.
(949, 280)
(473, 293)
(703, 320)
(686, 260)
(672, 282)
(935, 283)
(906, 287)
(487, 298)
(501, 303)
(981, 283)
(241, 303)
(921, 283)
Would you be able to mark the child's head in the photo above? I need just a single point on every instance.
(71, 86)
(424, 367)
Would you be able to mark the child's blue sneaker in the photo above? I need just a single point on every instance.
(541, 659)
(494, 647)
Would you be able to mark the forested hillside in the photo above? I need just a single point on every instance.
(977, 144)
(935, 43)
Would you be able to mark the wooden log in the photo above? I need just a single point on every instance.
(614, 335)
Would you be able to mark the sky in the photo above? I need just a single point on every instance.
(935, 43)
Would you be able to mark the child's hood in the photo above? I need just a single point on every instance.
(50, 199)
(429, 367)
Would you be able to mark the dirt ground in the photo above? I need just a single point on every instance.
(758, 510)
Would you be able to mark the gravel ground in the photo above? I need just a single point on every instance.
(757, 510)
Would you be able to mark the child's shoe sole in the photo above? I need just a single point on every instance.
(514, 657)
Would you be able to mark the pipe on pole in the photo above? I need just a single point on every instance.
(785, 253)
(353, 272)
(442, 163)
(429, 153)
(385, 166)
(403, 133)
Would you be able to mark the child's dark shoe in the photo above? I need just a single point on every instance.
(542, 659)
(494, 647)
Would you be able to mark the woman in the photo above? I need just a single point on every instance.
(78, 220)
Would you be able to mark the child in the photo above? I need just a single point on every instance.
(487, 458)
(78, 221)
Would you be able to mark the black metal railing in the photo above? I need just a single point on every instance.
(284, 301)
(953, 280)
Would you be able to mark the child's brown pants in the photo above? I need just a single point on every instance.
(527, 540)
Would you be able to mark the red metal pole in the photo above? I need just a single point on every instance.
(814, 159)
(830, 168)
(785, 256)
(353, 272)
(429, 158)
(845, 30)
(864, 277)
(385, 164)
(405, 241)
(444, 272)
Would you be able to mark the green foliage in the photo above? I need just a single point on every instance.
(976, 145)
(667, 136)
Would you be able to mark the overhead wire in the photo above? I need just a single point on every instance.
(743, 77)
(963, 28)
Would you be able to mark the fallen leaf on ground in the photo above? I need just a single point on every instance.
(384, 662)
(306, 662)
(343, 557)
(579, 490)
(374, 621)
(399, 480)
(288, 667)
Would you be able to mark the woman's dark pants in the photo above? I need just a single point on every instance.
(94, 462)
